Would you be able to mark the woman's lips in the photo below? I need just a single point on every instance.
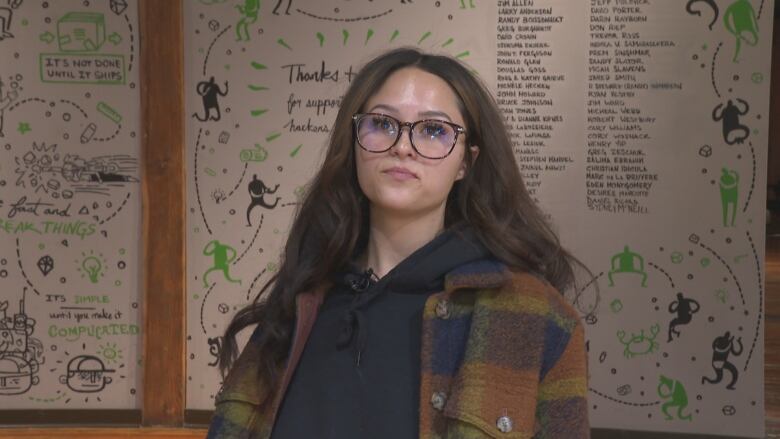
(400, 173)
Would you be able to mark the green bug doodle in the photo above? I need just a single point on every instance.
(639, 344)
(221, 260)
(670, 388)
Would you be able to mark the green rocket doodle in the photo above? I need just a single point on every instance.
(221, 260)
(248, 11)
(729, 192)
(740, 20)
(626, 262)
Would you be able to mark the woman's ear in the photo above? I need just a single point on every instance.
(473, 152)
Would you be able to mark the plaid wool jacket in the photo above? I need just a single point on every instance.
(502, 356)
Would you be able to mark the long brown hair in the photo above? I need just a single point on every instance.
(331, 225)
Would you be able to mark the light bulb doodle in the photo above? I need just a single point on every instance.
(92, 266)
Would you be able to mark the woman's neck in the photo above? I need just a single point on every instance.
(393, 238)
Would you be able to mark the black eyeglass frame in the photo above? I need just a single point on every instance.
(458, 131)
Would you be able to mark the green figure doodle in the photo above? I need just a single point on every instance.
(221, 260)
(463, 4)
(729, 192)
(668, 387)
(740, 20)
(625, 263)
(249, 15)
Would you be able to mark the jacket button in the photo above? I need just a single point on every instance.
(438, 399)
(443, 309)
(504, 424)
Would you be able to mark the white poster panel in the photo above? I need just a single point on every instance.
(639, 126)
(69, 205)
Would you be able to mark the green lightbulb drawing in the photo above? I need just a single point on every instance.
(92, 266)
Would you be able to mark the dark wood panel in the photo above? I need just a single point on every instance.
(162, 105)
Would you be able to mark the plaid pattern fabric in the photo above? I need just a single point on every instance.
(503, 356)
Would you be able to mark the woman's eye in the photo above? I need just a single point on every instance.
(384, 124)
(434, 129)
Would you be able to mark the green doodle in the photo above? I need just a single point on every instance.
(24, 127)
(110, 352)
(283, 43)
(616, 306)
(721, 295)
(678, 397)
(395, 35)
(639, 344)
(258, 112)
(729, 194)
(705, 262)
(106, 110)
(294, 152)
(676, 257)
(92, 266)
(321, 38)
(463, 4)
(448, 42)
(463, 54)
(223, 256)
(273, 137)
(248, 11)
(81, 32)
(115, 39)
(369, 34)
(210, 172)
(98, 332)
(77, 228)
(257, 66)
(47, 37)
(257, 87)
(740, 20)
(423, 37)
(627, 262)
(259, 154)
(345, 34)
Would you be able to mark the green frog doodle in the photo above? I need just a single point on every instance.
(668, 387)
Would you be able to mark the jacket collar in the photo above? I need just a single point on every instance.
(485, 273)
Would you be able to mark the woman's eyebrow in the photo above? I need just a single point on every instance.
(423, 114)
(432, 113)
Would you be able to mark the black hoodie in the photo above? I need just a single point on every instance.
(359, 373)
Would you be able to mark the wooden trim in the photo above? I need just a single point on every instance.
(69, 417)
(162, 107)
(102, 433)
(196, 418)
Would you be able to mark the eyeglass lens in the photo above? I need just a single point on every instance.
(431, 138)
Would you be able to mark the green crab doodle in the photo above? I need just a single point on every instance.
(639, 344)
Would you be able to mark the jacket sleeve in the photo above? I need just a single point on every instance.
(562, 409)
(232, 420)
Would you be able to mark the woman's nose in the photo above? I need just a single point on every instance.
(404, 144)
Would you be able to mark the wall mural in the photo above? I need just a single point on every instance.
(69, 205)
(623, 115)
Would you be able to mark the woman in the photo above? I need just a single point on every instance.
(418, 294)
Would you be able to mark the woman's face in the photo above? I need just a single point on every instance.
(400, 181)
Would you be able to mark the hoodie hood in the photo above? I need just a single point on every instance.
(422, 272)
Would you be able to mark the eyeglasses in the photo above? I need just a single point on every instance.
(431, 138)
